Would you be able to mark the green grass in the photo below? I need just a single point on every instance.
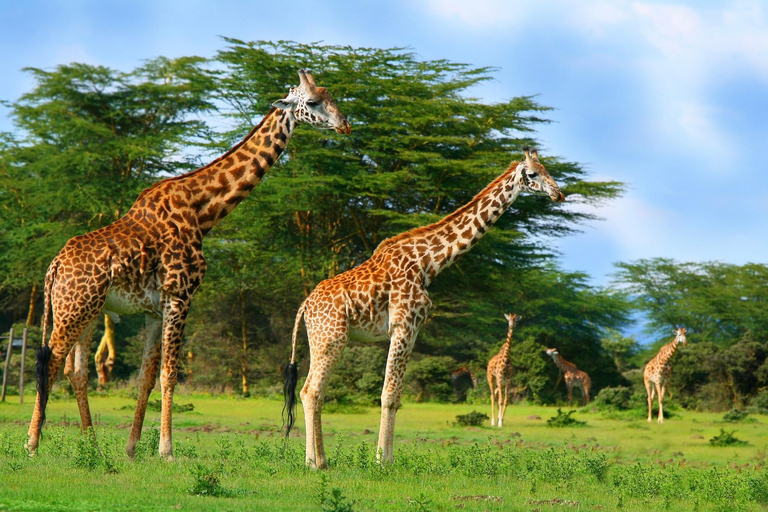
(230, 456)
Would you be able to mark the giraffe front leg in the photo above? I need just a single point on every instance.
(649, 395)
(570, 395)
(403, 339)
(503, 411)
(174, 317)
(493, 395)
(76, 370)
(660, 392)
(148, 374)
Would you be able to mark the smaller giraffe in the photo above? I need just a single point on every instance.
(573, 376)
(657, 372)
(500, 369)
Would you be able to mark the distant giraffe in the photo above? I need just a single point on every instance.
(462, 379)
(573, 376)
(657, 372)
(386, 297)
(151, 261)
(500, 369)
(105, 353)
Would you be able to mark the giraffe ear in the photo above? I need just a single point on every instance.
(284, 103)
(535, 155)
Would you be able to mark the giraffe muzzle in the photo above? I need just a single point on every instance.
(344, 128)
(560, 198)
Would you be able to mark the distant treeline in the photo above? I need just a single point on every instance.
(88, 139)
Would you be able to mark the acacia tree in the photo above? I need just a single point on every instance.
(724, 306)
(421, 146)
(88, 139)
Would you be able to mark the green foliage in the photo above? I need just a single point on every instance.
(472, 419)
(737, 416)
(613, 398)
(726, 438)
(332, 500)
(207, 481)
(430, 378)
(564, 420)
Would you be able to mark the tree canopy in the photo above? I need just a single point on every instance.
(89, 139)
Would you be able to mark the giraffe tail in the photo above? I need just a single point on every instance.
(43, 355)
(291, 375)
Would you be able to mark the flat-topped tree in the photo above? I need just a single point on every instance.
(151, 261)
(386, 297)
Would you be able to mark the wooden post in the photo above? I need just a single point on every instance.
(7, 364)
(21, 372)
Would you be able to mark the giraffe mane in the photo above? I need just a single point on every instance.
(421, 230)
(231, 151)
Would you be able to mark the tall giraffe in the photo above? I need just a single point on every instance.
(657, 372)
(573, 376)
(386, 297)
(151, 261)
(500, 369)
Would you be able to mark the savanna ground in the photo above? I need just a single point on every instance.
(230, 456)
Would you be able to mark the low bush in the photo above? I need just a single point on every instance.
(564, 420)
(473, 419)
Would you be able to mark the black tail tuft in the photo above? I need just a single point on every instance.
(42, 377)
(289, 393)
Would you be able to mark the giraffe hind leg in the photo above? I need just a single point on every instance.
(76, 370)
(147, 376)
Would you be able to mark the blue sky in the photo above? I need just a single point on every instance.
(669, 97)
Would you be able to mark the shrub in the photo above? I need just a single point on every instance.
(737, 416)
(564, 420)
(472, 419)
(207, 482)
(727, 439)
(613, 398)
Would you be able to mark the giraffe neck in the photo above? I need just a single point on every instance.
(213, 191)
(440, 244)
(666, 352)
(564, 365)
(508, 343)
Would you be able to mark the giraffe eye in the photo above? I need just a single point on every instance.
(312, 103)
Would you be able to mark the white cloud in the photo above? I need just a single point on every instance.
(479, 13)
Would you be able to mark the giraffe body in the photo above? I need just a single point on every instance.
(574, 378)
(151, 261)
(500, 370)
(657, 372)
(386, 298)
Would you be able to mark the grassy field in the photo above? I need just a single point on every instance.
(230, 456)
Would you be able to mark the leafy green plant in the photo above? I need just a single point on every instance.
(207, 482)
(737, 416)
(474, 418)
(332, 500)
(564, 420)
(727, 438)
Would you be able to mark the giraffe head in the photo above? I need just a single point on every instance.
(680, 333)
(535, 177)
(311, 104)
(512, 318)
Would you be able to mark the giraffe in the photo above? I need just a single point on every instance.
(500, 368)
(151, 261)
(386, 297)
(573, 376)
(657, 372)
(105, 353)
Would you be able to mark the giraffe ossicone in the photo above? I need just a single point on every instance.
(657, 372)
(386, 297)
(574, 378)
(151, 261)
